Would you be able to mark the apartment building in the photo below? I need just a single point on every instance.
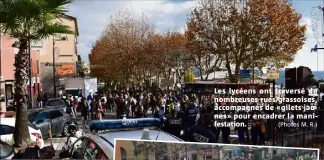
(63, 48)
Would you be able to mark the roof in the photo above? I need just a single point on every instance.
(137, 134)
(46, 110)
(75, 21)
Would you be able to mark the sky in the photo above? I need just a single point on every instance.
(93, 16)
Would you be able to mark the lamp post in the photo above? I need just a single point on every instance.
(31, 100)
(54, 65)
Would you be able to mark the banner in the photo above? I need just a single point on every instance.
(66, 70)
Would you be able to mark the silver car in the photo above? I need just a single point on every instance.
(55, 103)
(58, 119)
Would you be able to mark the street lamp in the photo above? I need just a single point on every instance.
(54, 69)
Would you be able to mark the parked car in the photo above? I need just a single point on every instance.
(58, 119)
(7, 126)
(55, 103)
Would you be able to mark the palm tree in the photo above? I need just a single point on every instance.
(25, 21)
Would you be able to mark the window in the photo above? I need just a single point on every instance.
(103, 156)
(42, 117)
(5, 150)
(32, 115)
(56, 102)
(32, 125)
(73, 92)
(123, 153)
(4, 129)
(55, 114)
(79, 147)
(92, 151)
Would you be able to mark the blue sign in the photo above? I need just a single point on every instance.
(244, 73)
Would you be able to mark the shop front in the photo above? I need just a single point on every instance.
(7, 95)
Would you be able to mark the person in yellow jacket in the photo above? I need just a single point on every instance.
(262, 136)
(258, 132)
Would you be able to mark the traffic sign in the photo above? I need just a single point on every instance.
(273, 74)
(245, 73)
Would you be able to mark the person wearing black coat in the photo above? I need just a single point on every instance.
(84, 111)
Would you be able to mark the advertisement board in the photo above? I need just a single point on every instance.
(66, 70)
(273, 74)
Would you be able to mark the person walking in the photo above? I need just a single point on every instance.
(241, 131)
(173, 124)
(84, 112)
(89, 98)
(139, 111)
(75, 106)
(97, 109)
(203, 132)
(104, 103)
(45, 98)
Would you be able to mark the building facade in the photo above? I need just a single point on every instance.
(42, 53)
(65, 56)
(7, 60)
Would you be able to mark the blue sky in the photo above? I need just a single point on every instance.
(93, 15)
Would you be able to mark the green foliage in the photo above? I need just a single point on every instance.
(33, 20)
(321, 80)
(310, 79)
(189, 76)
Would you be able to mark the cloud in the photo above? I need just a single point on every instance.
(93, 16)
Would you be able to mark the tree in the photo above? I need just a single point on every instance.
(178, 57)
(122, 44)
(309, 79)
(246, 34)
(205, 57)
(319, 81)
(189, 76)
(28, 20)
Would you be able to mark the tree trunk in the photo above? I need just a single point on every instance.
(21, 133)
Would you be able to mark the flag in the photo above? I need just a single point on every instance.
(314, 49)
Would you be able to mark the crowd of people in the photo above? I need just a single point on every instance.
(188, 116)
